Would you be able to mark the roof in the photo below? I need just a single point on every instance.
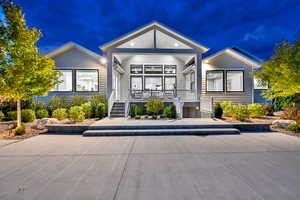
(212, 53)
(71, 45)
(119, 40)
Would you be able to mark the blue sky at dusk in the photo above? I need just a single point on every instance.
(254, 25)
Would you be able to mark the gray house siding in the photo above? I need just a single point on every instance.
(75, 59)
(227, 62)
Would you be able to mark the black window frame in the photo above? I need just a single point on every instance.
(164, 70)
(162, 83)
(223, 75)
(161, 66)
(238, 70)
(98, 79)
(136, 65)
(71, 79)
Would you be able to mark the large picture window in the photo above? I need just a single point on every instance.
(214, 81)
(153, 83)
(170, 82)
(136, 83)
(87, 80)
(234, 81)
(66, 83)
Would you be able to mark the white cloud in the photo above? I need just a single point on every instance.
(257, 34)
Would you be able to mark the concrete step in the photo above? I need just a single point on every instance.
(116, 112)
(117, 115)
(147, 132)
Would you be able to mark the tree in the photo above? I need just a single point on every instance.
(24, 71)
(282, 71)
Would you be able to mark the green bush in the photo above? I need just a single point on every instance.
(240, 112)
(11, 115)
(154, 106)
(227, 107)
(170, 111)
(60, 113)
(100, 110)
(268, 109)
(218, 111)
(76, 114)
(42, 113)
(57, 102)
(10, 105)
(95, 100)
(256, 110)
(78, 100)
(135, 110)
(1, 116)
(87, 109)
(28, 115)
(37, 105)
(21, 130)
(294, 127)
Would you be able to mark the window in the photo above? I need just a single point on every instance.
(153, 83)
(87, 80)
(170, 69)
(153, 69)
(258, 85)
(192, 78)
(66, 81)
(234, 81)
(170, 82)
(136, 83)
(214, 81)
(136, 69)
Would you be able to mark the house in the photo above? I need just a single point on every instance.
(157, 62)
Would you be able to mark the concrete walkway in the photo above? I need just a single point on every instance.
(247, 166)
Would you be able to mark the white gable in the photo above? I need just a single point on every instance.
(164, 41)
(145, 40)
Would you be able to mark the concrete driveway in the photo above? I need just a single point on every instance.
(247, 166)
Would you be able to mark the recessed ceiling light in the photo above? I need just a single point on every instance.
(103, 61)
(176, 44)
(132, 44)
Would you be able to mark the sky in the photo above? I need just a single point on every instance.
(253, 25)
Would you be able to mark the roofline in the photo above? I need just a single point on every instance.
(105, 46)
(70, 45)
(226, 50)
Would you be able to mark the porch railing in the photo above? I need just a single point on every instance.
(166, 95)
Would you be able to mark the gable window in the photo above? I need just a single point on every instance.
(136, 69)
(170, 69)
(234, 81)
(87, 80)
(153, 69)
(66, 83)
(214, 81)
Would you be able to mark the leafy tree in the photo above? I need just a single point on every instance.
(24, 72)
(282, 71)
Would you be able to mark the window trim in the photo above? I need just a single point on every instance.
(72, 79)
(162, 83)
(243, 74)
(133, 76)
(223, 74)
(82, 69)
(164, 86)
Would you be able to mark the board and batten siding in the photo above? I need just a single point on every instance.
(73, 59)
(227, 62)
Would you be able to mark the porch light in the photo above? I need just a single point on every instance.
(103, 61)
(176, 44)
(132, 44)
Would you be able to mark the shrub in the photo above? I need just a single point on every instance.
(87, 109)
(10, 105)
(76, 114)
(100, 110)
(154, 106)
(135, 110)
(78, 100)
(28, 115)
(227, 107)
(60, 113)
(170, 111)
(218, 111)
(42, 113)
(292, 112)
(240, 112)
(1, 116)
(256, 110)
(294, 127)
(95, 100)
(21, 130)
(57, 102)
(37, 105)
(268, 109)
(11, 115)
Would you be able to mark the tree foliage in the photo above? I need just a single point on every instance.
(282, 71)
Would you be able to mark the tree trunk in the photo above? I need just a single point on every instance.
(18, 113)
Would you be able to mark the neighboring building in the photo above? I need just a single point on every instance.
(157, 62)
